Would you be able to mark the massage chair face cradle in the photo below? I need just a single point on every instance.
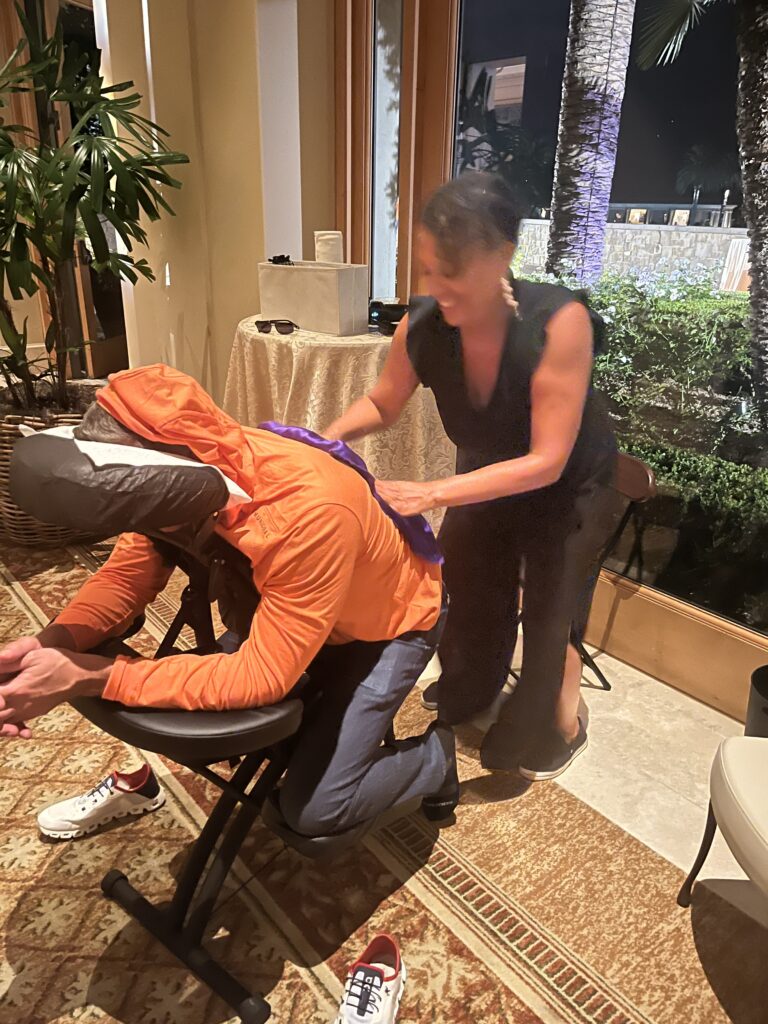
(54, 477)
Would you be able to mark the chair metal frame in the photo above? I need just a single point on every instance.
(636, 482)
(180, 925)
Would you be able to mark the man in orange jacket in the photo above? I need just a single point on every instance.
(344, 596)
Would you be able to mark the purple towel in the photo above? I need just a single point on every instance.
(415, 529)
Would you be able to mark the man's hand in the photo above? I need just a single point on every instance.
(46, 678)
(12, 654)
(10, 663)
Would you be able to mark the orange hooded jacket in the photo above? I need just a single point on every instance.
(331, 567)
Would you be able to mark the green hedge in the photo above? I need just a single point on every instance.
(733, 498)
(677, 368)
(676, 372)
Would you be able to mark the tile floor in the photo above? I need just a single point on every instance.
(647, 770)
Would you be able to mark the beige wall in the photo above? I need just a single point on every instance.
(317, 112)
(227, 97)
(195, 64)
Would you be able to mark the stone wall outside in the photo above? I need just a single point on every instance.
(639, 247)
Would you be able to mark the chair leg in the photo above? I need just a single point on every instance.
(684, 896)
(590, 662)
(182, 934)
(193, 869)
(640, 552)
(217, 873)
(252, 1009)
(637, 553)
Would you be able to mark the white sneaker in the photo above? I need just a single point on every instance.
(117, 796)
(374, 985)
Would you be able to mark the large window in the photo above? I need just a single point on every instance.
(387, 59)
(510, 77)
(678, 373)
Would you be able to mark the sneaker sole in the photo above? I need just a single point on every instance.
(546, 776)
(77, 833)
(404, 976)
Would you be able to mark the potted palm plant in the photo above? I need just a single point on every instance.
(95, 182)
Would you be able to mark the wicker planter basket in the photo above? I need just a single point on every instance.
(17, 526)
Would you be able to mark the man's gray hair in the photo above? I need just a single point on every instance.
(99, 425)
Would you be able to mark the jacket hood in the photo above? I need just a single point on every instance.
(166, 406)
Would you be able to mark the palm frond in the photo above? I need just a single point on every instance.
(111, 170)
(665, 28)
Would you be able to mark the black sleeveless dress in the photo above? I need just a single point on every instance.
(502, 430)
(552, 536)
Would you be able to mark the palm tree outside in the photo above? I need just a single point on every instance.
(599, 39)
(710, 171)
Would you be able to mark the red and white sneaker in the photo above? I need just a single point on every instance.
(374, 985)
(118, 796)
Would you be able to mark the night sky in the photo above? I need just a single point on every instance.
(666, 110)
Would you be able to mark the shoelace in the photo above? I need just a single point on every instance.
(98, 793)
(363, 997)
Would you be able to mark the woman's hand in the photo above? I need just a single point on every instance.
(407, 497)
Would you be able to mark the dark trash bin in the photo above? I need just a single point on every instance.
(757, 709)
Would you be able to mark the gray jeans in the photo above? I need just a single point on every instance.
(339, 774)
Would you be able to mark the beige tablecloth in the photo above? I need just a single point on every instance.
(307, 380)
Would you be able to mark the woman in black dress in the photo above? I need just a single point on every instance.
(510, 365)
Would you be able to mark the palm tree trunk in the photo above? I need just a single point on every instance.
(752, 127)
(599, 38)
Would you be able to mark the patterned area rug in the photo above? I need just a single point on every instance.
(531, 909)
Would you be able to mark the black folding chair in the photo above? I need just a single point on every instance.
(637, 483)
(257, 741)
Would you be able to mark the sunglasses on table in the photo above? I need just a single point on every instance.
(281, 326)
